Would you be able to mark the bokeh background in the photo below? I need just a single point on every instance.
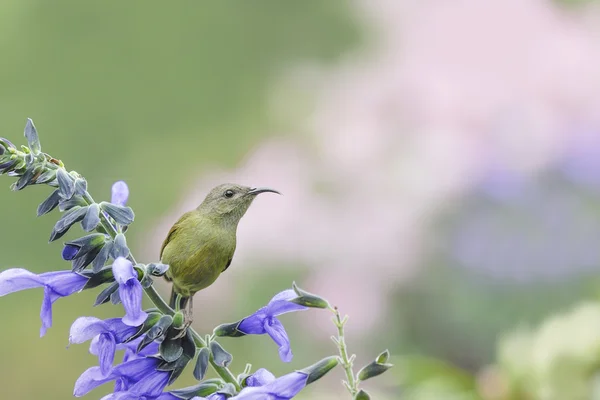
(440, 164)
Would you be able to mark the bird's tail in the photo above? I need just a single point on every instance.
(173, 301)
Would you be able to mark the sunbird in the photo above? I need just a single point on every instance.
(200, 245)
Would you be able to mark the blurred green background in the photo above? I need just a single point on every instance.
(440, 176)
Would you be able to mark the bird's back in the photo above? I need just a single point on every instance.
(197, 250)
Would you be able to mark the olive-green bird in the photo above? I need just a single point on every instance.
(201, 243)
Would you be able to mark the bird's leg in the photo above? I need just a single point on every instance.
(188, 317)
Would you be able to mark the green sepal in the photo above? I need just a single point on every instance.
(115, 297)
(178, 319)
(119, 248)
(362, 395)
(104, 295)
(65, 183)
(377, 367)
(157, 269)
(203, 389)
(49, 204)
(87, 243)
(80, 186)
(170, 349)
(91, 219)
(121, 214)
(229, 330)
(25, 179)
(150, 321)
(68, 219)
(75, 201)
(99, 278)
(7, 144)
(7, 166)
(157, 331)
(308, 299)
(32, 137)
(103, 256)
(220, 356)
(179, 366)
(201, 363)
(228, 390)
(46, 176)
(319, 369)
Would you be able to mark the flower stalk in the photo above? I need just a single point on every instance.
(351, 383)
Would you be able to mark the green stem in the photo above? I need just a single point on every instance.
(347, 362)
(158, 301)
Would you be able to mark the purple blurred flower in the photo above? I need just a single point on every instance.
(56, 284)
(137, 377)
(130, 291)
(264, 321)
(106, 334)
(119, 193)
(282, 388)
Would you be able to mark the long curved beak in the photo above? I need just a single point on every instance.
(255, 191)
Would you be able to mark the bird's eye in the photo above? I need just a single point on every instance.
(229, 193)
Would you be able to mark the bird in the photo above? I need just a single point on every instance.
(201, 244)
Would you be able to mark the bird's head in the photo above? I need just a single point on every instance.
(230, 201)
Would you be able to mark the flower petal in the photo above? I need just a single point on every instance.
(152, 384)
(277, 332)
(287, 386)
(69, 252)
(131, 297)
(280, 303)
(89, 380)
(119, 193)
(254, 324)
(46, 311)
(86, 328)
(106, 354)
(64, 283)
(123, 270)
(15, 279)
(260, 378)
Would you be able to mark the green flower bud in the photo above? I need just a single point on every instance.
(377, 367)
(362, 395)
(319, 369)
(308, 299)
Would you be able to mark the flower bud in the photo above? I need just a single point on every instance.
(157, 269)
(229, 330)
(121, 214)
(319, 369)
(65, 184)
(377, 367)
(308, 299)
(32, 137)
(362, 395)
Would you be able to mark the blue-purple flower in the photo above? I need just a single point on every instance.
(56, 284)
(263, 385)
(137, 377)
(106, 334)
(119, 193)
(264, 321)
(130, 292)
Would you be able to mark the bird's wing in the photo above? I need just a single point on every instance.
(172, 233)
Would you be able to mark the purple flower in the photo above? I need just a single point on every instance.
(282, 388)
(119, 193)
(131, 352)
(106, 334)
(137, 377)
(130, 291)
(56, 284)
(260, 378)
(69, 252)
(264, 321)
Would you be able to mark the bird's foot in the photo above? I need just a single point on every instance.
(187, 321)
